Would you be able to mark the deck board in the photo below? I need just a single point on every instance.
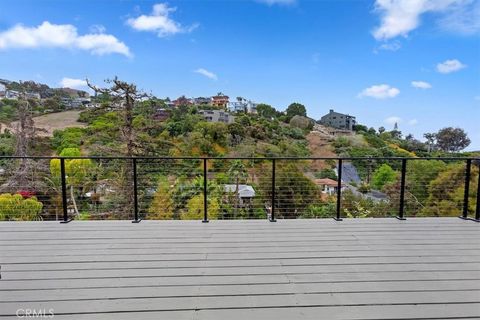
(422, 268)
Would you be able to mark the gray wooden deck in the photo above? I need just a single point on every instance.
(303, 269)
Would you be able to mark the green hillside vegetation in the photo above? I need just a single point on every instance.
(173, 189)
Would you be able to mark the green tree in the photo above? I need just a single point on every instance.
(294, 192)
(77, 172)
(420, 173)
(266, 111)
(296, 109)
(326, 173)
(194, 209)
(452, 139)
(162, 204)
(383, 175)
(446, 192)
(431, 139)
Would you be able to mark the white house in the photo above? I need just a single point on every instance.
(328, 186)
(243, 105)
(11, 94)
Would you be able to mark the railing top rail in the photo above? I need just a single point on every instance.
(240, 158)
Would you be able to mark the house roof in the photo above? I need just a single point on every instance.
(244, 190)
(326, 181)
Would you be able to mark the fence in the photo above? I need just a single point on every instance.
(206, 188)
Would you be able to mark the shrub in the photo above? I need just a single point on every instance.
(16, 207)
(326, 173)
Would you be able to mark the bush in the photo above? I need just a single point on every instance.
(326, 173)
(16, 207)
(327, 210)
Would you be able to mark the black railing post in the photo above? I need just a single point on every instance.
(468, 169)
(205, 203)
(272, 213)
(477, 211)
(63, 179)
(402, 191)
(339, 191)
(135, 191)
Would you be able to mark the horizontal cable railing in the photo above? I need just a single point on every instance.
(207, 188)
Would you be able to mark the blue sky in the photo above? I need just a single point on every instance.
(412, 62)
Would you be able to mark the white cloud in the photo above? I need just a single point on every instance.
(73, 83)
(413, 122)
(48, 35)
(421, 85)
(464, 19)
(159, 21)
(206, 73)
(97, 28)
(389, 46)
(392, 120)
(381, 91)
(449, 66)
(280, 2)
(399, 17)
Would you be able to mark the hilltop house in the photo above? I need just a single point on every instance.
(338, 120)
(202, 101)
(2, 89)
(220, 100)
(243, 105)
(217, 116)
(182, 101)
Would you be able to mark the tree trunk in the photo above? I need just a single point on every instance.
(74, 202)
(236, 199)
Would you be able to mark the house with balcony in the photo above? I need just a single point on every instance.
(338, 120)
(220, 100)
(243, 105)
(217, 116)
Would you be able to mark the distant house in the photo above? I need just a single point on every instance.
(12, 94)
(2, 89)
(161, 114)
(245, 193)
(328, 186)
(243, 105)
(182, 101)
(169, 103)
(220, 100)
(217, 116)
(338, 120)
(33, 95)
(202, 101)
(74, 103)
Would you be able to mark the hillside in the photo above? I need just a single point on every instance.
(48, 123)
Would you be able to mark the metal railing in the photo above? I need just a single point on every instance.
(270, 197)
